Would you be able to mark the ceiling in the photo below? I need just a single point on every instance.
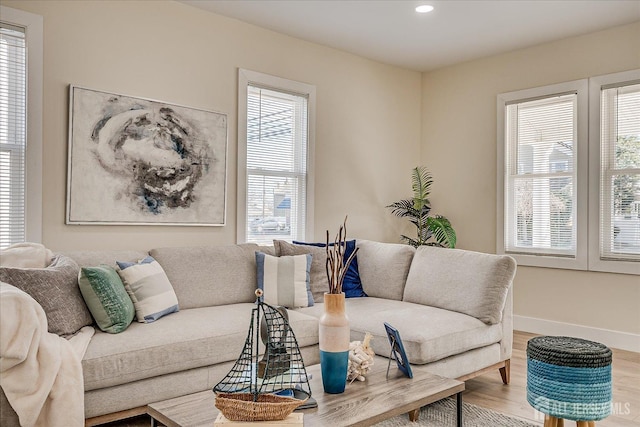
(456, 31)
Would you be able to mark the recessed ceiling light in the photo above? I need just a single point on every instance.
(425, 8)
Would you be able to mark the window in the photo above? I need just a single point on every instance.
(615, 163)
(13, 133)
(542, 157)
(568, 198)
(275, 152)
(20, 127)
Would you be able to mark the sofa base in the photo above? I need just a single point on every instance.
(503, 367)
(118, 400)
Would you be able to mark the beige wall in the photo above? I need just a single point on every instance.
(369, 124)
(368, 114)
(459, 146)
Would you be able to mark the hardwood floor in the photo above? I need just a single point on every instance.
(488, 391)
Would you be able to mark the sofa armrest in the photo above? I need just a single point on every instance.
(506, 344)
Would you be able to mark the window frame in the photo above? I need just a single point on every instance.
(245, 78)
(33, 25)
(595, 86)
(580, 88)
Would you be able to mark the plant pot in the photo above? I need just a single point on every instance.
(334, 343)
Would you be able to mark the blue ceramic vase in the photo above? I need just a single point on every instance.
(334, 343)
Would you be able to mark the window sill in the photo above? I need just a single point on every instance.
(547, 261)
(620, 267)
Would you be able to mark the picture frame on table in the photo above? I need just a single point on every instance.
(397, 351)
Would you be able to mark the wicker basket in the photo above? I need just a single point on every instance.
(268, 407)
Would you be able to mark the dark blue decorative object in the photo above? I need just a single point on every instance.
(397, 351)
(352, 285)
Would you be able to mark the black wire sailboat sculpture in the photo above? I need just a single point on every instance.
(271, 387)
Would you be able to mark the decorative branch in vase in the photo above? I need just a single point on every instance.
(334, 331)
(336, 265)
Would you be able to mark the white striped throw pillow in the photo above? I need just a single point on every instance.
(285, 279)
(149, 289)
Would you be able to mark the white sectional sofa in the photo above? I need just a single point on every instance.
(452, 307)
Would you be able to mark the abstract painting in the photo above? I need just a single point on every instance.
(138, 161)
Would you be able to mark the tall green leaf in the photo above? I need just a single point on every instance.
(442, 231)
(403, 208)
(421, 181)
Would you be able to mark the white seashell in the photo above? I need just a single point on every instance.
(360, 358)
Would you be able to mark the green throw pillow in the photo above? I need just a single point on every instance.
(106, 297)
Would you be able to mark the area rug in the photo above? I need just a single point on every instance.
(443, 414)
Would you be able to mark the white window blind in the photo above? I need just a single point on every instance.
(540, 176)
(620, 173)
(276, 153)
(12, 134)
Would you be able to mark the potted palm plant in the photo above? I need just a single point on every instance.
(431, 230)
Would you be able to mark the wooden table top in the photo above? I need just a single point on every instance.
(362, 403)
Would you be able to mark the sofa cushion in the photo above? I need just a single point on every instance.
(55, 288)
(210, 275)
(468, 282)
(442, 333)
(187, 339)
(285, 279)
(352, 285)
(107, 257)
(149, 289)
(318, 276)
(383, 268)
(269, 250)
(106, 298)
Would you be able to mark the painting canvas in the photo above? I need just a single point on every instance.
(138, 161)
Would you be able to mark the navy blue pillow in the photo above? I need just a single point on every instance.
(352, 285)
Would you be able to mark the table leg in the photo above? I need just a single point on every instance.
(414, 415)
(459, 409)
(551, 421)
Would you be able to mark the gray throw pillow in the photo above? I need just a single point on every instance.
(56, 289)
(318, 283)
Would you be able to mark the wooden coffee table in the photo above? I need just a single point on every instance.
(362, 404)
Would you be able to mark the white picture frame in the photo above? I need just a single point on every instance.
(137, 161)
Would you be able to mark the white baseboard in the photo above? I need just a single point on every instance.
(615, 339)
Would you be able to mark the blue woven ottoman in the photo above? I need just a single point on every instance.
(569, 378)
